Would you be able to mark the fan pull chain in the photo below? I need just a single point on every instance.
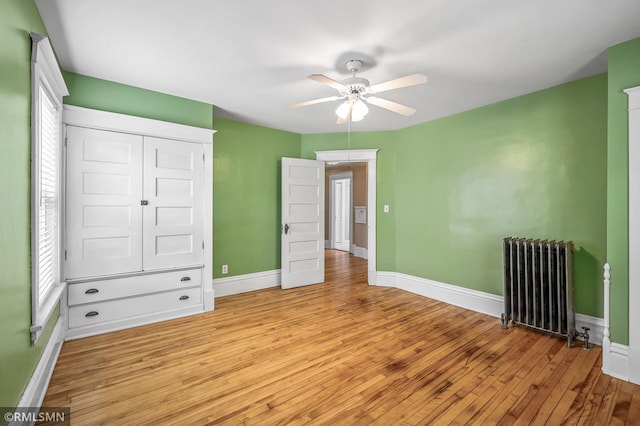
(348, 137)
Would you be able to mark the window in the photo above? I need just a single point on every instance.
(47, 90)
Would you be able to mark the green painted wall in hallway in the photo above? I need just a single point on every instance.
(624, 72)
(246, 195)
(17, 357)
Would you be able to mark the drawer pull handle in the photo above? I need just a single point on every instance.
(91, 314)
(92, 291)
(184, 297)
(185, 279)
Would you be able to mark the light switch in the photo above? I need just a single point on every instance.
(386, 208)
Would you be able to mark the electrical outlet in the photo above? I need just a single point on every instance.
(225, 269)
(386, 208)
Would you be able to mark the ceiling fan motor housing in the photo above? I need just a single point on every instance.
(356, 85)
(353, 65)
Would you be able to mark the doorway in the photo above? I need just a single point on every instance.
(340, 205)
(368, 156)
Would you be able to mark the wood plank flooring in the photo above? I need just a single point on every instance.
(341, 352)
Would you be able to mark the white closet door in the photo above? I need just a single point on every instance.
(103, 212)
(172, 220)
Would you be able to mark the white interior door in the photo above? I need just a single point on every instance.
(341, 209)
(340, 206)
(172, 216)
(103, 193)
(302, 259)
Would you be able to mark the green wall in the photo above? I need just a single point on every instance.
(624, 72)
(532, 166)
(246, 195)
(106, 95)
(17, 357)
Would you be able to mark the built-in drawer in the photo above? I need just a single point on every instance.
(95, 313)
(99, 290)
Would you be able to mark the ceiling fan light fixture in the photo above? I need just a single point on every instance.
(359, 110)
(343, 110)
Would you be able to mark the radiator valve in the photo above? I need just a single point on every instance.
(585, 336)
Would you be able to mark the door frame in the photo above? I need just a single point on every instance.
(332, 178)
(634, 233)
(370, 157)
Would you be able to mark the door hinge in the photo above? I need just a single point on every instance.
(202, 244)
(65, 255)
(65, 142)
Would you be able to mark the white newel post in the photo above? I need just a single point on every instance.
(606, 335)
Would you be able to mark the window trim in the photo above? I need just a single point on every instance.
(45, 73)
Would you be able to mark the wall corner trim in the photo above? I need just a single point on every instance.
(39, 382)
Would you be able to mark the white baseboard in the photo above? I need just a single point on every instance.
(244, 283)
(474, 300)
(359, 251)
(39, 382)
(616, 361)
(595, 324)
(209, 300)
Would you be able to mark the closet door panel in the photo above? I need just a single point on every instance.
(172, 219)
(103, 213)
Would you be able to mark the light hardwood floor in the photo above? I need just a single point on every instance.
(336, 353)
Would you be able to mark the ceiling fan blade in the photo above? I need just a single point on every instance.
(391, 106)
(323, 79)
(315, 101)
(409, 80)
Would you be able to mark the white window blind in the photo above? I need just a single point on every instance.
(47, 91)
(48, 197)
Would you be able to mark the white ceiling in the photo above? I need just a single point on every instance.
(250, 58)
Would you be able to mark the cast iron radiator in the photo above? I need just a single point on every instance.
(538, 286)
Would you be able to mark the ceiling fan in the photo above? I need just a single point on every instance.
(355, 90)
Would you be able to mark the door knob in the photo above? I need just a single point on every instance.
(286, 228)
